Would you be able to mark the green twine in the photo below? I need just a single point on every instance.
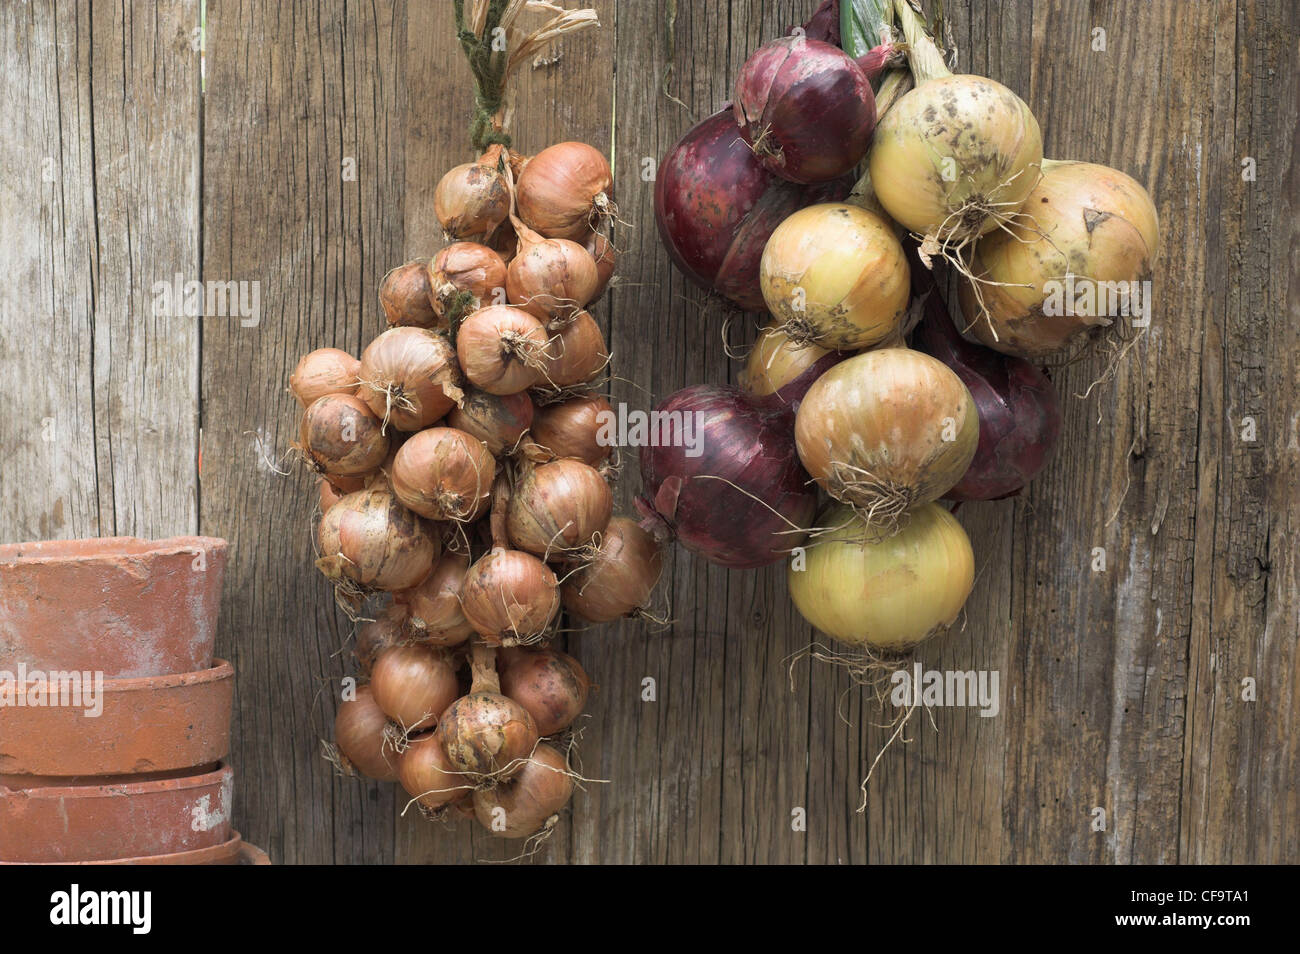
(489, 75)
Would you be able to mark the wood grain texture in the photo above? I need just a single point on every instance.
(101, 393)
(1121, 689)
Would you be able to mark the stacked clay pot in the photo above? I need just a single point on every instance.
(132, 769)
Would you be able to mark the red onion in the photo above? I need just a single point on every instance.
(1019, 414)
(806, 108)
(716, 206)
(739, 500)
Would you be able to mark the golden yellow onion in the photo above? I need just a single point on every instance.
(836, 276)
(1055, 276)
(776, 360)
(954, 156)
(883, 594)
(887, 430)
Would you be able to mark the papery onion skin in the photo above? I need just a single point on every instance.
(1019, 412)
(887, 429)
(884, 593)
(617, 580)
(471, 200)
(444, 474)
(410, 377)
(1087, 221)
(806, 108)
(487, 734)
(564, 190)
(502, 348)
(605, 255)
(576, 356)
(571, 429)
(378, 635)
(716, 206)
(369, 538)
(948, 149)
(498, 420)
(837, 273)
(413, 685)
(744, 500)
(321, 372)
(428, 775)
(526, 803)
(779, 370)
(550, 684)
(341, 437)
(509, 593)
(406, 296)
(463, 277)
(557, 507)
(432, 609)
(551, 278)
(359, 736)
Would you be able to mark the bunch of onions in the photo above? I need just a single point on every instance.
(835, 275)
(531, 800)
(361, 737)
(577, 354)
(485, 733)
(473, 199)
(340, 436)
(605, 255)
(1019, 414)
(728, 486)
(368, 539)
(557, 507)
(431, 609)
(781, 369)
(617, 577)
(409, 377)
(498, 420)
(321, 372)
(413, 685)
(550, 684)
(444, 474)
(1035, 287)
(886, 431)
(716, 206)
(957, 155)
(407, 297)
(572, 428)
(378, 635)
(550, 278)
(565, 191)
(462, 278)
(428, 775)
(502, 349)
(806, 109)
(884, 594)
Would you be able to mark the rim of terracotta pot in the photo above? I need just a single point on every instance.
(253, 855)
(227, 853)
(27, 782)
(219, 670)
(103, 549)
(207, 691)
(96, 787)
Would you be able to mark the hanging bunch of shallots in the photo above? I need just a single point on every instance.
(464, 494)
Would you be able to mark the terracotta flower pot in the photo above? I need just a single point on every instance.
(252, 855)
(156, 724)
(121, 819)
(117, 605)
(228, 853)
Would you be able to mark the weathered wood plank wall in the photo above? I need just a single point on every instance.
(308, 166)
